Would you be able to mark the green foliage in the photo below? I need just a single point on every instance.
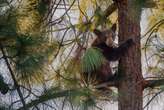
(157, 16)
(42, 7)
(83, 27)
(92, 60)
(54, 93)
(27, 46)
(162, 49)
(3, 3)
(31, 52)
(146, 3)
(87, 104)
(34, 54)
(99, 17)
(3, 86)
(83, 98)
(8, 25)
(30, 17)
(3, 107)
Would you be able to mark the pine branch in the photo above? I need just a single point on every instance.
(49, 96)
(153, 83)
(110, 9)
(113, 83)
(13, 77)
(152, 98)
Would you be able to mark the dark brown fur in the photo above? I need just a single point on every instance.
(110, 52)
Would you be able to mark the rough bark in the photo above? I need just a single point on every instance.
(130, 84)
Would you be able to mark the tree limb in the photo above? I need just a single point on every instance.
(113, 83)
(153, 83)
(152, 98)
(111, 8)
(52, 95)
(13, 76)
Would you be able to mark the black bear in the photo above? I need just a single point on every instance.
(111, 52)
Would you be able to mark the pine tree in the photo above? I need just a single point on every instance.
(42, 46)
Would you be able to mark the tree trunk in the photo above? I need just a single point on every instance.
(130, 84)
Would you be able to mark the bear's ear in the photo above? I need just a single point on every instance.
(114, 27)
